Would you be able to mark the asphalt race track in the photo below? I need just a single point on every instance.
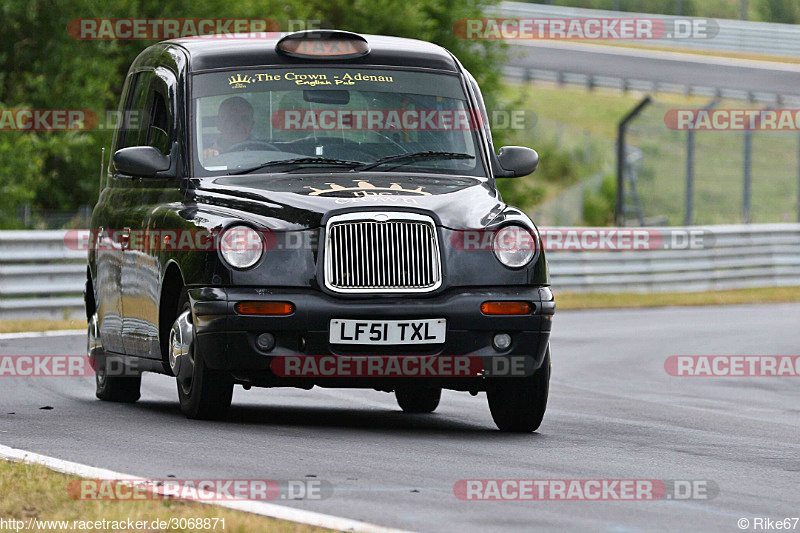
(658, 66)
(614, 413)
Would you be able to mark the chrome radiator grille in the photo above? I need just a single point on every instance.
(379, 252)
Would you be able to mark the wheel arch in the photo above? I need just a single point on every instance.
(90, 302)
(171, 286)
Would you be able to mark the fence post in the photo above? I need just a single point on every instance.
(748, 177)
(688, 218)
(619, 214)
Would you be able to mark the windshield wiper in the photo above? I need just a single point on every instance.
(414, 155)
(303, 161)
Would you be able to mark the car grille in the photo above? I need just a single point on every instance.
(381, 252)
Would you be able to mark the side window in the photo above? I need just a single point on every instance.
(136, 114)
(158, 130)
(125, 103)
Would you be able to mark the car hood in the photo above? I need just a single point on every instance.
(295, 202)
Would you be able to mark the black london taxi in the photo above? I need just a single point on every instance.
(347, 185)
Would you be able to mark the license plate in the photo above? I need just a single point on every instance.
(385, 332)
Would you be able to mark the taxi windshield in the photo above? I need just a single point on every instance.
(336, 119)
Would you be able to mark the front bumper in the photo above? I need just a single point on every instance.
(226, 339)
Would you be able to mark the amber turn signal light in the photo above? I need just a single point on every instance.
(505, 308)
(265, 308)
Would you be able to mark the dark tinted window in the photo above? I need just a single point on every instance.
(250, 117)
(158, 133)
(137, 114)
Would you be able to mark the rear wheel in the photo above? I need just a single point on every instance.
(204, 394)
(122, 389)
(518, 404)
(418, 399)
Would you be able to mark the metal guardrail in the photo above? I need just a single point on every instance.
(734, 35)
(40, 277)
(590, 81)
(745, 256)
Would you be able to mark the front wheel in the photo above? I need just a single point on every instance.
(204, 394)
(518, 404)
(418, 400)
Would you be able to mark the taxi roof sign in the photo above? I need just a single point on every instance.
(323, 44)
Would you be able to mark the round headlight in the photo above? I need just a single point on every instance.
(514, 246)
(241, 246)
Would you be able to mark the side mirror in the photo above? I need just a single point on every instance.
(517, 161)
(141, 161)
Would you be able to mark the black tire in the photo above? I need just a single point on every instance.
(115, 389)
(121, 389)
(208, 396)
(418, 399)
(518, 404)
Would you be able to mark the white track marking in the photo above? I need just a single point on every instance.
(270, 510)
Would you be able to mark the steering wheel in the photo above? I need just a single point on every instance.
(383, 135)
(250, 144)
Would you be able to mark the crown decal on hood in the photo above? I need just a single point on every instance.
(366, 188)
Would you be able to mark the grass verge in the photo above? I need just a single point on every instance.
(572, 115)
(17, 326)
(624, 300)
(33, 491)
(579, 110)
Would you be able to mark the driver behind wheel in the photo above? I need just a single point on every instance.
(235, 124)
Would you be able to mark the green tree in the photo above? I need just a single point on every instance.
(785, 11)
(43, 67)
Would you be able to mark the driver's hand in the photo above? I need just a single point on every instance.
(210, 152)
